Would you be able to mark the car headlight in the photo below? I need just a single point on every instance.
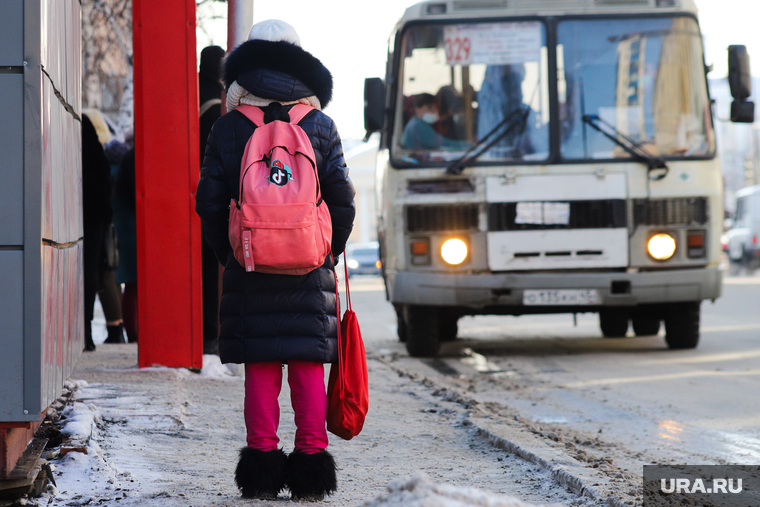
(661, 246)
(353, 264)
(454, 251)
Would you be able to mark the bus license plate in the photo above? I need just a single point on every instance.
(564, 297)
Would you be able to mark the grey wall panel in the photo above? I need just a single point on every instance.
(11, 159)
(11, 328)
(11, 33)
(61, 38)
(61, 336)
(61, 170)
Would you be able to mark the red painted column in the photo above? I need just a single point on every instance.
(167, 171)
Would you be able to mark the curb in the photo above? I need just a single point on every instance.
(570, 473)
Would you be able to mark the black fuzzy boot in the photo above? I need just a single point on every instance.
(311, 476)
(261, 474)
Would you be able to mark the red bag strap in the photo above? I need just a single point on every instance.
(337, 299)
(340, 348)
(348, 291)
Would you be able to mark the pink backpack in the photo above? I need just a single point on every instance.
(280, 224)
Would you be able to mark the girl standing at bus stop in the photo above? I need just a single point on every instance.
(268, 320)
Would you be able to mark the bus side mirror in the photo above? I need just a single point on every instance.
(740, 83)
(374, 105)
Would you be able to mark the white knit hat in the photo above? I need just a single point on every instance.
(274, 30)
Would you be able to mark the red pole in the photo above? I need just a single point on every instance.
(167, 172)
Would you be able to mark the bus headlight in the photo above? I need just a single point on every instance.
(661, 246)
(353, 264)
(454, 251)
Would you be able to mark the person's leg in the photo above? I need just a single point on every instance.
(309, 399)
(263, 382)
(210, 271)
(93, 236)
(260, 472)
(311, 469)
(129, 311)
(110, 299)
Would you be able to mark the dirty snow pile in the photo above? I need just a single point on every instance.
(420, 491)
(87, 475)
(213, 368)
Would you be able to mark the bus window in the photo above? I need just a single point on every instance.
(461, 81)
(644, 77)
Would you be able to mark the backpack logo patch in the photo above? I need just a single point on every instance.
(280, 174)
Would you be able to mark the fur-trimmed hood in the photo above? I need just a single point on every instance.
(278, 70)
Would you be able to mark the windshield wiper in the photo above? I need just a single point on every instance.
(516, 118)
(652, 162)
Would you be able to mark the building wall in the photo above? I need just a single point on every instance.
(41, 275)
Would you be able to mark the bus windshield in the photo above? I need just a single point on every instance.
(459, 82)
(641, 78)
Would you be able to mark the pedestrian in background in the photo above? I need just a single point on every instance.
(268, 320)
(125, 219)
(97, 214)
(210, 92)
(109, 292)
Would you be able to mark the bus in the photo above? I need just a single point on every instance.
(545, 156)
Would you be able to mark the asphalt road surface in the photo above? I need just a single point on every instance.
(630, 400)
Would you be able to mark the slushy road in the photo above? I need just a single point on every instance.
(631, 401)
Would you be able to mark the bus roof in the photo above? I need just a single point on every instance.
(445, 9)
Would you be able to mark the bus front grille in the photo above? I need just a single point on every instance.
(676, 211)
(602, 214)
(442, 218)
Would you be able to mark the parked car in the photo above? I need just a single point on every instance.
(363, 259)
(742, 238)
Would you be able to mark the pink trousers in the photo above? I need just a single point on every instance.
(263, 382)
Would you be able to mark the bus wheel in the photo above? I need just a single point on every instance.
(422, 330)
(682, 325)
(400, 322)
(449, 327)
(613, 322)
(643, 326)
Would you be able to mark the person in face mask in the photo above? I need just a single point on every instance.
(419, 133)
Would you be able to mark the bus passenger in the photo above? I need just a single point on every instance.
(419, 133)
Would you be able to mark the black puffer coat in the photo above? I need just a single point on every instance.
(267, 317)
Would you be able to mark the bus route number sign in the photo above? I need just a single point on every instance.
(493, 43)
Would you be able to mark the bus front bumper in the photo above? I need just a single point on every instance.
(506, 289)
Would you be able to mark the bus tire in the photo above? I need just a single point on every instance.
(400, 322)
(682, 325)
(449, 327)
(422, 330)
(645, 326)
(613, 322)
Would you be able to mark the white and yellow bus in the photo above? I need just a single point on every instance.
(549, 156)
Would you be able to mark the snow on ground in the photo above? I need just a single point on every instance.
(169, 437)
(82, 477)
(420, 491)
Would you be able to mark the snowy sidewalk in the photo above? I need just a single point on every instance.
(170, 437)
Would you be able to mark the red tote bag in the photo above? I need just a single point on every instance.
(348, 387)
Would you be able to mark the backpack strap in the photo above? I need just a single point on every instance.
(251, 113)
(299, 112)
